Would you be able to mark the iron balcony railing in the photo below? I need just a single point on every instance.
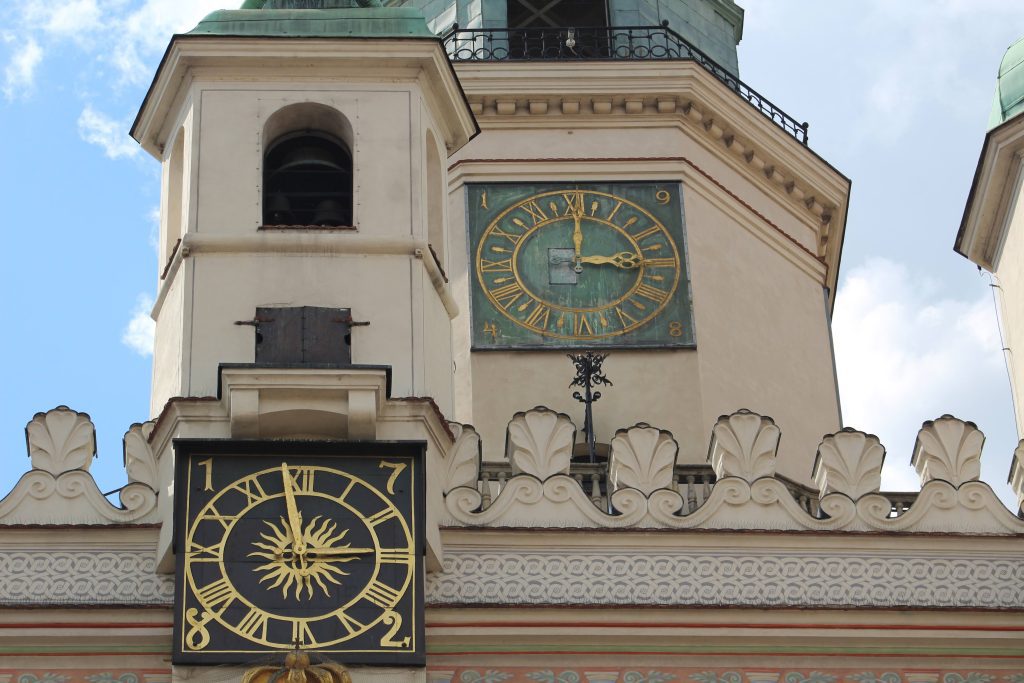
(604, 43)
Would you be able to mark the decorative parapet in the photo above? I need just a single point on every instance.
(744, 445)
(139, 459)
(642, 458)
(462, 463)
(948, 449)
(643, 488)
(1016, 479)
(61, 440)
(849, 462)
(59, 489)
(540, 442)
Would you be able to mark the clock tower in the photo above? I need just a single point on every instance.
(303, 212)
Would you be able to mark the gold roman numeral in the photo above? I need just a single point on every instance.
(303, 480)
(503, 266)
(625, 318)
(652, 293)
(539, 316)
(507, 294)
(251, 489)
(218, 593)
(573, 202)
(213, 515)
(660, 262)
(535, 212)
(653, 230)
(349, 624)
(382, 516)
(396, 556)
(253, 622)
(202, 553)
(511, 237)
(582, 327)
(302, 634)
(615, 210)
(382, 595)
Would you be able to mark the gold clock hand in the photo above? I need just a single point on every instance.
(624, 259)
(577, 240)
(339, 551)
(294, 517)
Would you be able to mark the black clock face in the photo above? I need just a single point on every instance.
(281, 544)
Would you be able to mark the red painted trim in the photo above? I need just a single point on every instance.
(752, 625)
(762, 655)
(159, 653)
(641, 159)
(90, 625)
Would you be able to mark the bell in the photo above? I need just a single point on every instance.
(278, 211)
(329, 212)
(310, 155)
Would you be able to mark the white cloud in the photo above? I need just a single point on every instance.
(127, 35)
(138, 335)
(19, 74)
(99, 129)
(903, 358)
(75, 19)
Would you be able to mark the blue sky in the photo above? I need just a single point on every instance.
(897, 95)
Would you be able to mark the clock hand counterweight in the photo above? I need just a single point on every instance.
(624, 259)
(577, 241)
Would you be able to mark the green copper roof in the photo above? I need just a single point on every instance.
(1009, 100)
(316, 19)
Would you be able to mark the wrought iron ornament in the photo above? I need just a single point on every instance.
(588, 375)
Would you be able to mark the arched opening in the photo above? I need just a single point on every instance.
(175, 182)
(435, 200)
(307, 168)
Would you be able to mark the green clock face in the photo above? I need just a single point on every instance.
(282, 544)
(578, 266)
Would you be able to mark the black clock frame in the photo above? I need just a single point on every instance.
(274, 452)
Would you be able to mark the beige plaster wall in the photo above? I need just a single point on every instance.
(759, 308)
(376, 288)
(1009, 276)
(385, 151)
(169, 355)
(384, 285)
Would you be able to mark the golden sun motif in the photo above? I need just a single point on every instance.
(300, 561)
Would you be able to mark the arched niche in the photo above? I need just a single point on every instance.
(435, 198)
(308, 167)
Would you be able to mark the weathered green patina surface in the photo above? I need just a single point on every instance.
(578, 266)
(1009, 99)
(316, 19)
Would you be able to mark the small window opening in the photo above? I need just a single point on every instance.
(557, 13)
(307, 180)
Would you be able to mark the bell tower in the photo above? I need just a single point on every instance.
(303, 202)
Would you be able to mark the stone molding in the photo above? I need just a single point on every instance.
(82, 567)
(600, 672)
(746, 495)
(753, 577)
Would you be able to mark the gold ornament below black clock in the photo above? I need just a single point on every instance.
(311, 544)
